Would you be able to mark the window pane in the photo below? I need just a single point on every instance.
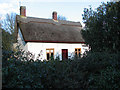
(47, 56)
(51, 50)
(79, 54)
(52, 55)
(75, 53)
(47, 50)
(75, 49)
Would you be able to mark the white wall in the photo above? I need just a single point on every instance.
(35, 48)
(21, 42)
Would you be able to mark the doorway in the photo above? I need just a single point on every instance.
(64, 54)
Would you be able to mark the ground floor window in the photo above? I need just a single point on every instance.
(50, 53)
(78, 52)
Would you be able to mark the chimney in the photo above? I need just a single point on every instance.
(54, 15)
(23, 11)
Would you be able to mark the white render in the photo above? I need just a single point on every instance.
(40, 48)
(21, 42)
(36, 48)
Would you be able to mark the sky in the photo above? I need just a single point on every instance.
(71, 9)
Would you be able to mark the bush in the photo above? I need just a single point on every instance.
(96, 70)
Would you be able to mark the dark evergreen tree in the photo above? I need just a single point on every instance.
(102, 27)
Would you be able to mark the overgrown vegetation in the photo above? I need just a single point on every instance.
(96, 70)
(100, 68)
(6, 40)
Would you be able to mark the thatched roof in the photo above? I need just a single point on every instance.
(48, 30)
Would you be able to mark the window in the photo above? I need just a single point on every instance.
(78, 52)
(50, 53)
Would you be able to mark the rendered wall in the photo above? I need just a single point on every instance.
(21, 42)
(36, 48)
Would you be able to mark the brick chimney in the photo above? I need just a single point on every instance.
(54, 15)
(23, 11)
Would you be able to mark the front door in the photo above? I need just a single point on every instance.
(64, 54)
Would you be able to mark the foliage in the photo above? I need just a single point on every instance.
(102, 29)
(96, 70)
(6, 40)
(8, 31)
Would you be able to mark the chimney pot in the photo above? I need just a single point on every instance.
(23, 11)
(54, 15)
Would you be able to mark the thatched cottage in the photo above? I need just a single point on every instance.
(48, 38)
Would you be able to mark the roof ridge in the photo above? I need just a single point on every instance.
(49, 21)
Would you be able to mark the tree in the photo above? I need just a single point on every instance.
(102, 29)
(60, 17)
(8, 31)
(6, 40)
(8, 23)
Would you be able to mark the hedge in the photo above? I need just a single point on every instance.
(96, 70)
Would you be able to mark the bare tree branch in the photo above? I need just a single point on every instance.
(60, 17)
(9, 23)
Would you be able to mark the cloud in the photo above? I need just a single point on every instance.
(4, 8)
(7, 8)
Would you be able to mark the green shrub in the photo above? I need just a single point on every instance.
(96, 70)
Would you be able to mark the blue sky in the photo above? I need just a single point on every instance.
(71, 9)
